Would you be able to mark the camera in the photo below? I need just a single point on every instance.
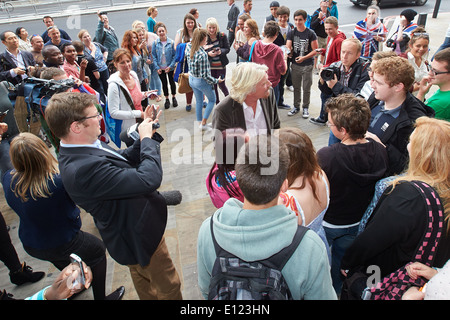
(390, 43)
(329, 72)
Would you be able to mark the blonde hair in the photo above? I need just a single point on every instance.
(429, 158)
(136, 23)
(244, 79)
(150, 11)
(80, 34)
(212, 22)
(34, 167)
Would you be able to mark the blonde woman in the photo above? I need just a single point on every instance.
(50, 222)
(217, 48)
(149, 38)
(398, 224)
(200, 78)
(152, 13)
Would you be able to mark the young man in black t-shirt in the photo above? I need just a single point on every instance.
(302, 43)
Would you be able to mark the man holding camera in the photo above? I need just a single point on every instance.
(119, 189)
(345, 76)
(14, 63)
(15, 66)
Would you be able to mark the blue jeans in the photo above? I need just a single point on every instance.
(200, 88)
(155, 82)
(339, 239)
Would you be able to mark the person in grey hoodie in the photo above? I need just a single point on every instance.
(259, 228)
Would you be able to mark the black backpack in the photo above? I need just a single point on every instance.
(235, 279)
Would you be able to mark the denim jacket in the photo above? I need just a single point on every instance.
(169, 50)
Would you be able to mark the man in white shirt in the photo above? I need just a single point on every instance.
(251, 104)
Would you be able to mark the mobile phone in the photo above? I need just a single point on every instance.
(155, 111)
(78, 265)
(3, 115)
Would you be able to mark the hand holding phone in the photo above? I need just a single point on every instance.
(77, 266)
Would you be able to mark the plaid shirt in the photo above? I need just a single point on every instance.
(199, 65)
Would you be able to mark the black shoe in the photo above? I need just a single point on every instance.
(174, 102)
(6, 296)
(319, 121)
(25, 274)
(116, 295)
(284, 106)
(167, 104)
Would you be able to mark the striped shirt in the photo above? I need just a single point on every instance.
(199, 65)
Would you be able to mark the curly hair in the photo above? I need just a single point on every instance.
(396, 70)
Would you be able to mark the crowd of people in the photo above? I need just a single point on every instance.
(363, 198)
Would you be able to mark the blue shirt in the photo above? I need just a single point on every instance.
(381, 119)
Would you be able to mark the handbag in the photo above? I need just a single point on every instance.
(183, 81)
(394, 285)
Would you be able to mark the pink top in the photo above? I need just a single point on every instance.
(137, 96)
(218, 194)
(72, 70)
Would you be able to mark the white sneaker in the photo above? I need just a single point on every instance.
(293, 111)
(305, 113)
(291, 88)
(205, 127)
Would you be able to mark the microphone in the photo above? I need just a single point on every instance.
(173, 197)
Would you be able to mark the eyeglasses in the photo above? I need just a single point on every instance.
(85, 118)
(330, 125)
(436, 73)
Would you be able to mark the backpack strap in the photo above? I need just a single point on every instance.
(278, 260)
(251, 50)
(395, 284)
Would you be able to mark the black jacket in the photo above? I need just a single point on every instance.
(224, 48)
(396, 136)
(358, 78)
(121, 195)
(6, 64)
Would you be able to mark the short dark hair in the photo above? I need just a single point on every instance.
(261, 168)
(271, 29)
(349, 112)
(45, 17)
(283, 10)
(443, 56)
(302, 13)
(3, 35)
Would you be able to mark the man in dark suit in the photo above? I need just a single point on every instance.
(15, 66)
(251, 104)
(233, 14)
(119, 189)
(14, 63)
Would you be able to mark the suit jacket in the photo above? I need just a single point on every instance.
(233, 14)
(121, 195)
(6, 64)
(229, 114)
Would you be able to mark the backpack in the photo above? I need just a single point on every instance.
(235, 279)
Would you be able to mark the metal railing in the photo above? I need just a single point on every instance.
(37, 8)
